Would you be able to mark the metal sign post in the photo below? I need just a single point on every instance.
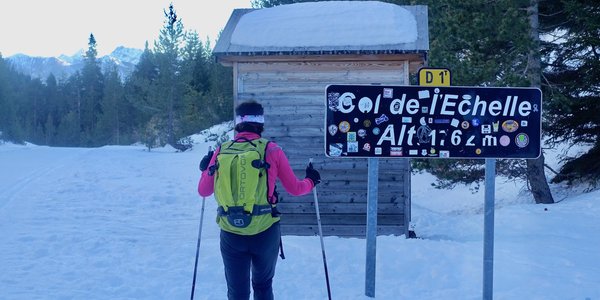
(372, 192)
(488, 229)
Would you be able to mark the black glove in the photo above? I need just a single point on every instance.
(313, 174)
(205, 160)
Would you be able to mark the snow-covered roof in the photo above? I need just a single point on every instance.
(329, 27)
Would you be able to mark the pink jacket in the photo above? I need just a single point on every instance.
(279, 168)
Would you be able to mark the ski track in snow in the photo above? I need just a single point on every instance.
(79, 217)
(38, 168)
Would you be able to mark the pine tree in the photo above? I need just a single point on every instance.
(488, 44)
(52, 103)
(194, 77)
(35, 120)
(535, 167)
(571, 52)
(91, 94)
(69, 130)
(168, 51)
(5, 106)
(110, 124)
(140, 90)
(220, 92)
(10, 129)
(69, 112)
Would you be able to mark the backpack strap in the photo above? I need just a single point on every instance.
(243, 139)
(267, 169)
(281, 247)
(274, 212)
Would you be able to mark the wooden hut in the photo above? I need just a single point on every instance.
(286, 66)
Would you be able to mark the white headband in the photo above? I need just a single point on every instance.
(250, 118)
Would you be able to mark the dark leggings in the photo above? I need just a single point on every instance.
(256, 253)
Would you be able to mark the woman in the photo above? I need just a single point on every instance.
(251, 247)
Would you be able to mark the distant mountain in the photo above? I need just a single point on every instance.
(64, 66)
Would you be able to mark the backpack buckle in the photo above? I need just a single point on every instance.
(260, 164)
(238, 217)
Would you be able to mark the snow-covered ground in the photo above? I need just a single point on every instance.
(122, 223)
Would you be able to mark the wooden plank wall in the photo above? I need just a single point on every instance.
(293, 95)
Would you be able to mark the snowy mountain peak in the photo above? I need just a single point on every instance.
(64, 65)
(124, 54)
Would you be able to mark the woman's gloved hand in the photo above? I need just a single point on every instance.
(313, 174)
(205, 160)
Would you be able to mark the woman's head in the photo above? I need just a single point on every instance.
(249, 117)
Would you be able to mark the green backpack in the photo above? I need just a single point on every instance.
(241, 187)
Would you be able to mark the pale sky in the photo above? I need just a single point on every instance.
(54, 27)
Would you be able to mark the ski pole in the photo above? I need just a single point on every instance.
(199, 238)
(321, 236)
(198, 248)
